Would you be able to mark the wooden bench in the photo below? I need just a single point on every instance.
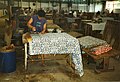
(112, 36)
(104, 65)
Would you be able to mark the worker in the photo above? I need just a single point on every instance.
(38, 22)
(97, 17)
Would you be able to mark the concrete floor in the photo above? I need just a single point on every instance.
(57, 71)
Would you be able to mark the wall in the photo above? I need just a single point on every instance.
(83, 7)
(95, 7)
(113, 5)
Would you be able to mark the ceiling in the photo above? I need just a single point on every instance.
(63, 1)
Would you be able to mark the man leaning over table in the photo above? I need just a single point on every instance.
(38, 25)
(38, 22)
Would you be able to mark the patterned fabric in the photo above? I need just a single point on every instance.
(88, 41)
(101, 49)
(57, 43)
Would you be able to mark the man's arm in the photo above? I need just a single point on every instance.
(44, 28)
(30, 26)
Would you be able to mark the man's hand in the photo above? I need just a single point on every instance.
(42, 32)
(33, 29)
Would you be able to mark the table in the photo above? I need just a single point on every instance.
(97, 26)
(49, 16)
(86, 21)
(55, 43)
(53, 26)
(72, 20)
(91, 28)
(105, 58)
(107, 18)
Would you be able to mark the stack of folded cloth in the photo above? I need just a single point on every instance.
(101, 49)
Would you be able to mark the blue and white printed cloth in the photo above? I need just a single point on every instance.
(89, 41)
(57, 43)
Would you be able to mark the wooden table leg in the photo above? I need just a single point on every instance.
(42, 56)
(25, 45)
(69, 61)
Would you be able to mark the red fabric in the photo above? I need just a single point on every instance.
(101, 49)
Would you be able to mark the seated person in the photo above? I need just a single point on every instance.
(97, 17)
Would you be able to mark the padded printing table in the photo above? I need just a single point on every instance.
(105, 56)
(87, 45)
(54, 43)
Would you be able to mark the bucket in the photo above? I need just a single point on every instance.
(7, 61)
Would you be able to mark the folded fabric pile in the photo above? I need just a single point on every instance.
(89, 41)
(101, 49)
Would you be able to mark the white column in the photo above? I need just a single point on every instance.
(21, 3)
